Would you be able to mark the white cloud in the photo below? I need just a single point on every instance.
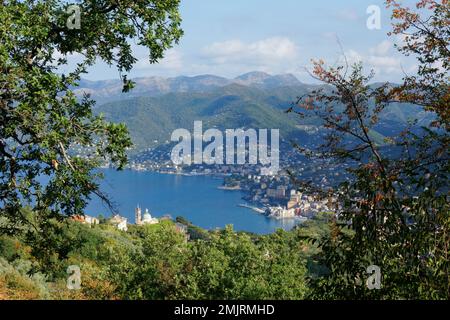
(385, 66)
(382, 48)
(172, 61)
(378, 58)
(272, 54)
(353, 57)
(229, 58)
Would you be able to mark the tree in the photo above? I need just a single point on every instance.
(395, 211)
(426, 36)
(42, 121)
(232, 265)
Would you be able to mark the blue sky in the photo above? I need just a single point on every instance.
(231, 37)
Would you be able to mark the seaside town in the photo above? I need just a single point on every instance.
(275, 196)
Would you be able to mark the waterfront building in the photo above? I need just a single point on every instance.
(148, 219)
(281, 213)
(138, 215)
(278, 193)
(294, 200)
(292, 203)
(144, 219)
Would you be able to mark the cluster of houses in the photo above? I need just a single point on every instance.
(121, 223)
(86, 219)
(302, 205)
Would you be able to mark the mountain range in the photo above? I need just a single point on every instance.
(157, 106)
(110, 90)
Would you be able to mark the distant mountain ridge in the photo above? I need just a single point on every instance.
(151, 119)
(158, 105)
(110, 90)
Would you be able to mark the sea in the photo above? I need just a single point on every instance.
(196, 198)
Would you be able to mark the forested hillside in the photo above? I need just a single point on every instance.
(151, 120)
(157, 262)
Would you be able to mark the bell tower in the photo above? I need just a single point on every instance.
(138, 215)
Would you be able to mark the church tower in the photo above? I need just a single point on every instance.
(138, 215)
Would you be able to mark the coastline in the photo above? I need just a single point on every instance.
(236, 188)
(256, 209)
(260, 210)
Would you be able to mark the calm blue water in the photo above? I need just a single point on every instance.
(194, 197)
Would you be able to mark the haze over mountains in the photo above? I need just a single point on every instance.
(157, 106)
(110, 90)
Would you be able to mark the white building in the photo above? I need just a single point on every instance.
(281, 213)
(119, 222)
(148, 219)
(145, 219)
(91, 220)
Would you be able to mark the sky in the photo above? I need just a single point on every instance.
(231, 37)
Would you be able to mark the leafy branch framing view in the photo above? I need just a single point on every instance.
(394, 212)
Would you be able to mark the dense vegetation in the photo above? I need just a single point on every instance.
(41, 119)
(157, 262)
(151, 120)
(396, 210)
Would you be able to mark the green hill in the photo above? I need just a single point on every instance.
(151, 120)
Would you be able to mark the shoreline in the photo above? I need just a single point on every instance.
(256, 209)
(221, 187)
(237, 188)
